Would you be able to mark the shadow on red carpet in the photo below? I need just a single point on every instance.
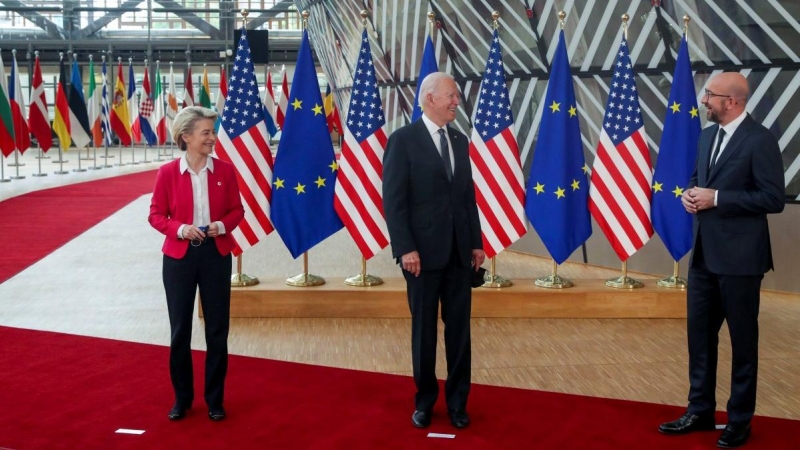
(40, 222)
(70, 392)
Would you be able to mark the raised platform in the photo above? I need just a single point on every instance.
(590, 298)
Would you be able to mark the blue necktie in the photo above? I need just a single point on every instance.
(448, 166)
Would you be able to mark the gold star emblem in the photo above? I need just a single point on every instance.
(555, 106)
(676, 107)
(657, 186)
(585, 168)
(539, 188)
(678, 191)
(576, 184)
(320, 182)
(278, 183)
(296, 103)
(693, 112)
(317, 109)
(573, 111)
(559, 193)
(334, 165)
(300, 188)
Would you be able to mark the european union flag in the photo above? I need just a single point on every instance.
(427, 67)
(558, 187)
(305, 165)
(676, 159)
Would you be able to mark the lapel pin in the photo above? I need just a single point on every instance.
(219, 183)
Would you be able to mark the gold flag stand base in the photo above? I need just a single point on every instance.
(672, 282)
(242, 280)
(675, 281)
(492, 280)
(363, 279)
(624, 282)
(305, 279)
(239, 279)
(553, 281)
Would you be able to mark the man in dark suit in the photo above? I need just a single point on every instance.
(432, 218)
(738, 180)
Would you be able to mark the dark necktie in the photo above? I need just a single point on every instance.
(715, 155)
(448, 166)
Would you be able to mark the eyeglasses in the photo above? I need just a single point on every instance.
(710, 94)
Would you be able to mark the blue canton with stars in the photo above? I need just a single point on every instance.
(242, 109)
(493, 114)
(366, 111)
(623, 115)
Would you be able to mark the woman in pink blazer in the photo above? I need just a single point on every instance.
(196, 204)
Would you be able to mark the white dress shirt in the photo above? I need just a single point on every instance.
(433, 129)
(202, 212)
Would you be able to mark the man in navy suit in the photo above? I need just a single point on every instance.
(737, 181)
(432, 218)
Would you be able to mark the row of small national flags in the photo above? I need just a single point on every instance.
(307, 194)
(94, 118)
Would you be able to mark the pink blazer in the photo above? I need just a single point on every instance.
(173, 205)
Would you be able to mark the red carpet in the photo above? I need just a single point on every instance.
(40, 222)
(62, 391)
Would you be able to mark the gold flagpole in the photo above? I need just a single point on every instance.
(675, 281)
(363, 279)
(491, 279)
(624, 281)
(305, 279)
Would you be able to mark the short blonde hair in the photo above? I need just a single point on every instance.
(185, 121)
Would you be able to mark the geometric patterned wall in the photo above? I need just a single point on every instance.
(759, 39)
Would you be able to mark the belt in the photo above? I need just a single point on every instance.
(199, 242)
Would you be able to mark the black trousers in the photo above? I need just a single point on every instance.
(205, 268)
(712, 299)
(452, 286)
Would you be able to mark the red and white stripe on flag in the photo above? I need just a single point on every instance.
(243, 141)
(358, 194)
(494, 154)
(622, 176)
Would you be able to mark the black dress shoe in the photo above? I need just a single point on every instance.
(688, 423)
(421, 419)
(459, 419)
(178, 411)
(216, 414)
(734, 435)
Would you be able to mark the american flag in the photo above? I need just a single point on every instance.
(494, 155)
(243, 141)
(622, 176)
(358, 200)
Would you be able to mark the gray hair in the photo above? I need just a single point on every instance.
(185, 121)
(430, 83)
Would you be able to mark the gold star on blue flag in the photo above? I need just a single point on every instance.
(676, 160)
(558, 188)
(302, 212)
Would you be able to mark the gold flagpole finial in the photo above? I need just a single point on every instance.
(432, 20)
(364, 13)
(686, 20)
(561, 16)
(495, 16)
(625, 18)
(244, 12)
(305, 15)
